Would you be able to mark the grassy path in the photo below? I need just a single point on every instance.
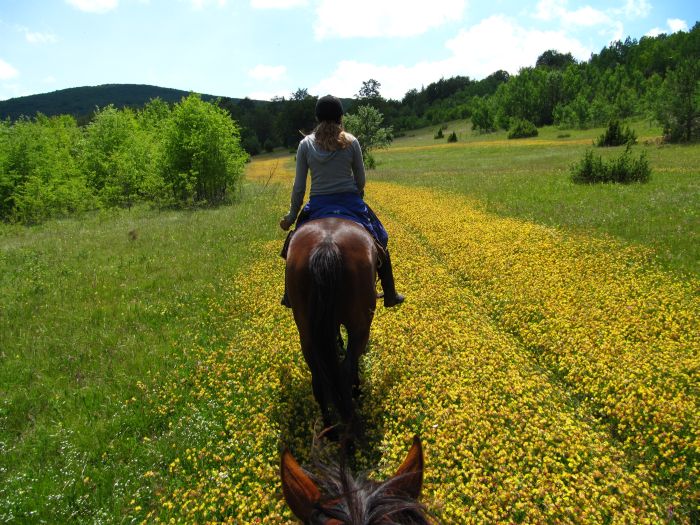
(553, 378)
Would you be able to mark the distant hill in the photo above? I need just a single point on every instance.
(82, 101)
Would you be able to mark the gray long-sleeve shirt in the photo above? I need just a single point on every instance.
(340, 171)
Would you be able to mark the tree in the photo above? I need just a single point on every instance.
(482, 115)
(295, 118)
(555, 60)
(203, 158)
(369, 90)
(300, 94)
(366, 125)
(679, 110)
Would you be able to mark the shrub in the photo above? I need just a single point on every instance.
(439, 134)
(616, 135)
(521, 128)
(452, 137)
(116, 155)
(39, 175)
(624, 169)
(203, 158)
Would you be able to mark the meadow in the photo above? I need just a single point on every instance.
(547, 353)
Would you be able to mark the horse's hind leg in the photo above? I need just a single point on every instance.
(317, 388)
(357, 345)
(322, 401)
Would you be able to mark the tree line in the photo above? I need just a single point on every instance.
(653, 77)
(184, 154)
(192, 152)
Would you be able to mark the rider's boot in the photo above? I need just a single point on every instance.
(386, 276)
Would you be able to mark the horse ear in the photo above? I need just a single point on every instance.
(409, 478)
(300, 492)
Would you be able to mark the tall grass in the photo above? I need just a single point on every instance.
(90, 311)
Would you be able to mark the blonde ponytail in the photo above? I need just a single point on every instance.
(331, 136)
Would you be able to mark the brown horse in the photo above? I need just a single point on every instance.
(335, 497)
(331, 277)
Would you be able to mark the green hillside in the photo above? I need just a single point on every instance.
(82, 101)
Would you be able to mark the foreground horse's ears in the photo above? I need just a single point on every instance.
(300, 492)
(409, 478)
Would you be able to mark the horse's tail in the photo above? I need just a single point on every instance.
(326, 267)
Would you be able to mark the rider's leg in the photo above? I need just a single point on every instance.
(386, 276)
(283, 254)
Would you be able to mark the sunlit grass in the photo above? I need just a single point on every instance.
(90, 309)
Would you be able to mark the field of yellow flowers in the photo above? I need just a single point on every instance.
(553, 378)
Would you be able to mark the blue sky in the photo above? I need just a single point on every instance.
(266, 48)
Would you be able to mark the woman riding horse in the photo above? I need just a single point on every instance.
(337, 187)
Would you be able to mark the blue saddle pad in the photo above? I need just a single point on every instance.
(344, 206)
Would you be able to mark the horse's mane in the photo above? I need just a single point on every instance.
(359, 500)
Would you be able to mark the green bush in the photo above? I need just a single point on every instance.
(616, 135)
(624, 169)
(203, 159)
(521, 128)
(439, 134)
(39, 173)
(452, 137)
(117, 155)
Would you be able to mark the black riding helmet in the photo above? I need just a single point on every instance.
(329, 108)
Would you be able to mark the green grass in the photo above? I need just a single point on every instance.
(530, 179)
(89, 315)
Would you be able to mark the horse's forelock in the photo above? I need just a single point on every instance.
(359, 500)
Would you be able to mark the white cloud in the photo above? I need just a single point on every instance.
(7, 71)
(201, 4)
(500, 43)
(386, 18)
(34, 37)
(94, 6)
(49, 79)
(676, 24)
(639, 8)
(348, 76)
(495, 43)
(262, 72)
(277, 4)
(587, 16)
